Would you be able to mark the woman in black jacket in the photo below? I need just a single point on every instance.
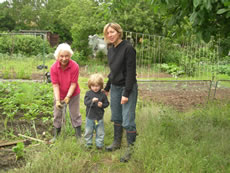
(122, 85)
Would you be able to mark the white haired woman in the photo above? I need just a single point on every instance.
(64, 77)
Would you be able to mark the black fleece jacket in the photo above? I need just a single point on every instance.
(93, 112)
(122, 63)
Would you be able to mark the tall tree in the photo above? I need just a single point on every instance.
(7, 23)
(82, 18)
(49, 18)
(134, 15)
(208, 17)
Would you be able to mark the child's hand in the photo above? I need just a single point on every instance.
(99, 104)
(95, 99)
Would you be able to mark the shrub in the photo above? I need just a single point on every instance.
(224, 69)
(79, 58)
(23, 44)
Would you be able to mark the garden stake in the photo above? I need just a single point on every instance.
(63, 123)
(64, 107)
(31, 138)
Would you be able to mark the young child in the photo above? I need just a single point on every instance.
(95, 101)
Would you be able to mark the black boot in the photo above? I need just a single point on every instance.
(78, 132)
(56, 134)
(118, 130)
(131, 138)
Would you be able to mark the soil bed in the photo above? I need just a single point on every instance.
(182, 96)
(14, 127)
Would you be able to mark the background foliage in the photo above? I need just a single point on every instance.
(23, 44)
(74, 20)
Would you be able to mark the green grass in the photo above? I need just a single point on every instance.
(168, 141)
(22, 67)
(197, 141)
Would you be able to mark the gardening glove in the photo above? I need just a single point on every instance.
(58, 104)
(67, 99)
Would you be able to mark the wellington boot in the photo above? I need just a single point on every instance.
(118, 130)
(131, 138)
(128, 152)
(56, 134)
(78, 132)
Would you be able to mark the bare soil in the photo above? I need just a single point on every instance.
(182, 96)
(36, 129)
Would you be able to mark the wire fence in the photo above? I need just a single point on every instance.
(161, 61)
(192, 59)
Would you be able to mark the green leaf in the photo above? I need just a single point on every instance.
(228, 15)
(223, 10)
(208, 5)
(227, 4)
(193, 17)
(196, 3)
(19, 150)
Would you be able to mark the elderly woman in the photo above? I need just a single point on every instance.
(64, 77)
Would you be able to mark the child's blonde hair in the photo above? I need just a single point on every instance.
(96, 79)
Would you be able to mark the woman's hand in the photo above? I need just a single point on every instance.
(106, 92)
(58, 104)
(124, 100)
(67, 99)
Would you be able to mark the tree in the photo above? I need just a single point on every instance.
(208, 17)
(7, 22)
(82, 18)
(134, 15)
(48, 18)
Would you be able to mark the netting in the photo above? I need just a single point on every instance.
(190, 59)
(185, 70)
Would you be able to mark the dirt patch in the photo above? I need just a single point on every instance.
(37, 76)
(10, 130)
(183, 96)
(8, 160)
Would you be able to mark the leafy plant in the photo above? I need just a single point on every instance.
(31, 98)
(19, 150)
(224, 69)
(172, 69)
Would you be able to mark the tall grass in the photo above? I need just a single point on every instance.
(168, 141)
(192, 142)
(20, 66)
